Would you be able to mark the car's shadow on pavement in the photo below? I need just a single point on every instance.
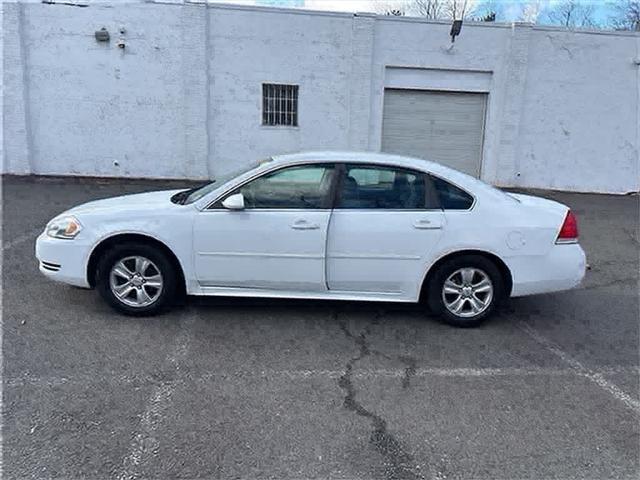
(507, 313)
(376, 311)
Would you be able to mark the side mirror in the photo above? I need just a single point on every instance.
(234, 202)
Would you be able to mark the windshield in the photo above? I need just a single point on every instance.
(196, 194)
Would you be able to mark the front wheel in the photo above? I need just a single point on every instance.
(465, 290)
(136, 279)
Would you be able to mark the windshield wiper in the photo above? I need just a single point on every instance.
(180, 197)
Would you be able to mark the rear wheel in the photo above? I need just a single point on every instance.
(136, 279)
(465, 290)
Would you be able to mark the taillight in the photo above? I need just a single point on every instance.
(569, 230)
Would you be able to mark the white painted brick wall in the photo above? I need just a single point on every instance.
(96, 109)
(249, 47)
(579, 117)
(362, 42)
(183, 99)
(514, 71)
(15, 137)
(194, 30)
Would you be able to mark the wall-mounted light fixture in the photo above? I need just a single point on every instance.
(456, 26)
(102, 35)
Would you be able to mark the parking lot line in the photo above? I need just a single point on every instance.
(595, 376)
(301, 374)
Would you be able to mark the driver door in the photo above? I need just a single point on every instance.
(277, 241)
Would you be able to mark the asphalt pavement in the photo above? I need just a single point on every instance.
(233, 388)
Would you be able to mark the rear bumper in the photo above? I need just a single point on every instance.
(562, 268)
(63, 260)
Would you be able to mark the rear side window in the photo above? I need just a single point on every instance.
(451, 197)
(379, 187)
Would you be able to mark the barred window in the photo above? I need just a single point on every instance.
(279, 104)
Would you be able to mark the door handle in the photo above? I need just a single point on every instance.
(424, 224)
(304, 225)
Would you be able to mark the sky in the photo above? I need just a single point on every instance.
(510, 9)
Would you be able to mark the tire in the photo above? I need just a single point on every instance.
(474, 286)
(142, 271)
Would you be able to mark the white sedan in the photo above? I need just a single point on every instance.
(322, 225)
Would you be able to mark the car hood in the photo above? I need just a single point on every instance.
(138, 201)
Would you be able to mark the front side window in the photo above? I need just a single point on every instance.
(302, 187)
(279, 105)
(451, 197)
(376, 187)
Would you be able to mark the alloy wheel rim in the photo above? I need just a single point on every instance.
(467, 292)
(136, 281)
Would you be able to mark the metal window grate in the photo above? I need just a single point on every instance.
(279, 104)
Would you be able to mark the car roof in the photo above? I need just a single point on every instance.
(353, 157)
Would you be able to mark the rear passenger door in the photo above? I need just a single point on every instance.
(385, 223)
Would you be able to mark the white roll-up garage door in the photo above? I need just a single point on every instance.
(445, 127)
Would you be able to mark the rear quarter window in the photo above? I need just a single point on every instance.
(451, 197)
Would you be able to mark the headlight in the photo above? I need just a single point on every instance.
(64, 227)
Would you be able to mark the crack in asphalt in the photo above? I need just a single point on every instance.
(409, 362)
(397, 462)
(409, 371)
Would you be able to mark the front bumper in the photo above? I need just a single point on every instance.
(63, 260)
(563, 268)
